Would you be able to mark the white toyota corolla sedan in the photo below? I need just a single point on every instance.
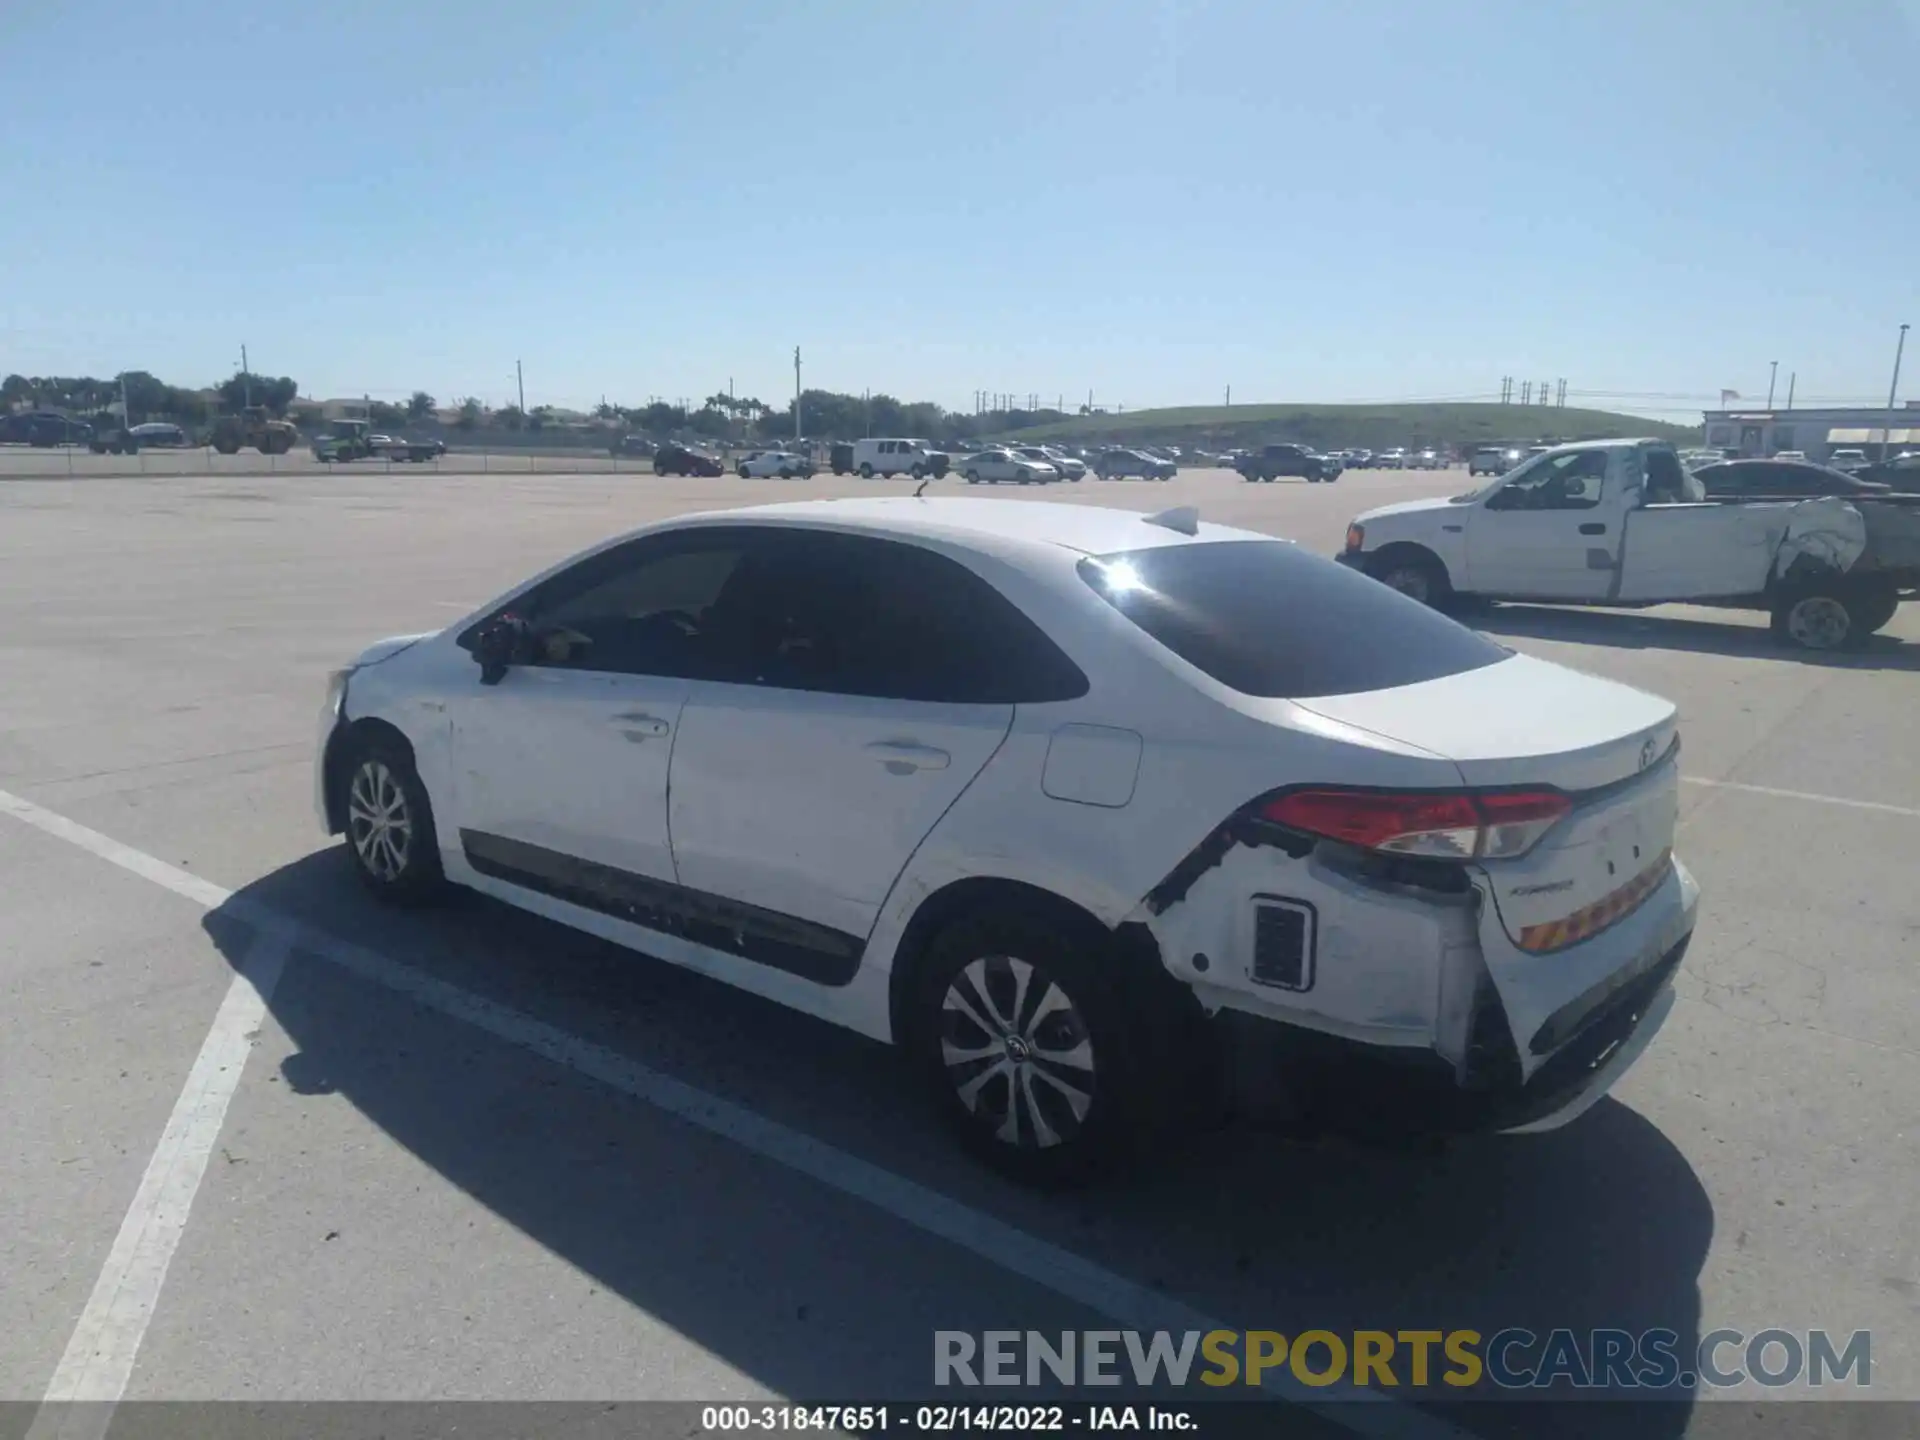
(1105, 819)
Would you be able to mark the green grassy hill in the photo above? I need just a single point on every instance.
(1376, 427)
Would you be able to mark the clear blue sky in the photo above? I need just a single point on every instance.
(1151, 199)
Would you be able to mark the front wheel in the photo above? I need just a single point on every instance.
(919, 472)
(389, 823)
(742, 470)
(866, 472)
(973, 477)
(1413, 576)
(1027, 1049)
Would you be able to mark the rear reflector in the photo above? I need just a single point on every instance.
(1457, 825)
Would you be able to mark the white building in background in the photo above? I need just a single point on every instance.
(1816, 432)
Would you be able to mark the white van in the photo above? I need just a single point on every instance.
(917, 458)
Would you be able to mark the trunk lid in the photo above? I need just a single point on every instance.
(1529, 723)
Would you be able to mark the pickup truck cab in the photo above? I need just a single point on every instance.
(1623, 523)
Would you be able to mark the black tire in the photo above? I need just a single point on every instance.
(866, 472)
(1876, 612)
(973, 477)
(658, 468)
(400, 860)
(743, 470)
(1828, 615)
(1068, 1129)
(1415, 574)
(919, 472)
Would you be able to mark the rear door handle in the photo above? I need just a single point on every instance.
(1453, 529)
(1593, 527)
(903, 757)
(640, 725)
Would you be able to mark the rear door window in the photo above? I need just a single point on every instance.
(1266, 618)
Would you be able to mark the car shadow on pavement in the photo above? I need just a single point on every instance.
(1649, 630)
(1602, 1225)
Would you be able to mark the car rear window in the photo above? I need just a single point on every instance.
(1267, 618)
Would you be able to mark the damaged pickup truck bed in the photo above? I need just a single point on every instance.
(1089, 812)
(1620, 523)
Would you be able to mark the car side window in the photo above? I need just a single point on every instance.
(637, 609)
(857, 615)
(1666, 482)
(1573, 481)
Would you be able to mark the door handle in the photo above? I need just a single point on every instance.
(1453, 529)
(903, 757)
(639, 725)
(1593, 527)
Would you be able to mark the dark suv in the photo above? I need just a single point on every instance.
(1270, 462)
(631, 445)
(684, 460)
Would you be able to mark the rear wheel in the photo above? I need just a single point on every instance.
(1027, 1048)
(389, 822)
(973, 477)
(919, 472)
(1824, 615)
(866, 472)
(742, 469)
(658, 468)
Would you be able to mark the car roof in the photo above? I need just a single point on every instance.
(998, 526)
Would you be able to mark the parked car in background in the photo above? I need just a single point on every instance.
(44, 429)
(1428, 459)
(1069, 467)
(1902, 473)
(1790, 455)
(994, 467)
(1493, 460)
(1358, 459)
(1274, 462)
(631, 445)
(1848, 460)
(785, 464)
(1778, 479)
(686, 460)
(1694, 459)
(1394, 459)
(1122, 464)
(1018, 719)
(118, 440)
(887, 457)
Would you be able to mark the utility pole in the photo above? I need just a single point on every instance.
(520, 382)
(1229, 397)
(1886, 445)
(1526, 391)
(1771, 374)
(1791, 379)
(126, 411)
(796, 392)
(246, 377)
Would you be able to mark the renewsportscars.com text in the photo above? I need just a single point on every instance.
(1511, 1359)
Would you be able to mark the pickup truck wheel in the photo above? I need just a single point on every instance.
(1827, 617)
(1416, 576)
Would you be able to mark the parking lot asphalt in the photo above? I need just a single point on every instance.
(468, 1154)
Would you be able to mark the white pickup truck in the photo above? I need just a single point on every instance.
(1622, 523)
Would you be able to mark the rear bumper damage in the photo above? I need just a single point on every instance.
(1410, 1012)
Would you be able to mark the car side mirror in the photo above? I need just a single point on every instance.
(498, 645)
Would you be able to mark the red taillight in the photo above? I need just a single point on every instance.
(1454, 826)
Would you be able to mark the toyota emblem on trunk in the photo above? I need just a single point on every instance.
(1646, 754)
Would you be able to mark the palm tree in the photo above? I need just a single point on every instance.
(420, 406)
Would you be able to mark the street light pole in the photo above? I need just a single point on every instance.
(1772, 375)
(246, 376)
(796, 393)
(1893, 390)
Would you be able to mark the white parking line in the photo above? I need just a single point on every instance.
(1133, 1306)
(1809, 795)
(93, 1372)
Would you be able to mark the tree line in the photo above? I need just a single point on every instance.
(824, 414)
(147, 397)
